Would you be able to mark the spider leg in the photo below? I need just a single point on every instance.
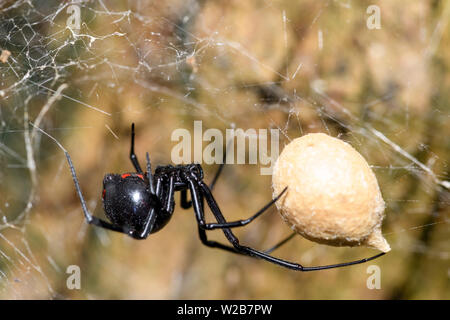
(168, 206)
(248, 250)
(149, 174)
(197, 200)
(239, 223)
(158, 188)
(133, 157)
(219, 170)
(149, 224)
(170, 202)
(214, 244)
(185, 204)
(211, 243)
(282, 242)
(89, 218)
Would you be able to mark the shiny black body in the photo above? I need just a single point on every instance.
(127, 198)
(139, 204)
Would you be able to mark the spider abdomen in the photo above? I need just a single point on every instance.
(127, 200)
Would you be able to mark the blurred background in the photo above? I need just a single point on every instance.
(374, 76)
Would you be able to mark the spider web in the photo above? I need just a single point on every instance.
(295, 66)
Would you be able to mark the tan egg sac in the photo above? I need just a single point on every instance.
(333, 196)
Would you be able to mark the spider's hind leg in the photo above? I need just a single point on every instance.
(90, 219)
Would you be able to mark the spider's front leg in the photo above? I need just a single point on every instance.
(185, 204)
(233, 224)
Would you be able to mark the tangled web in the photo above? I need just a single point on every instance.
(82, 69)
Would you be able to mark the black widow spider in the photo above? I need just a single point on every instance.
(139, 204)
